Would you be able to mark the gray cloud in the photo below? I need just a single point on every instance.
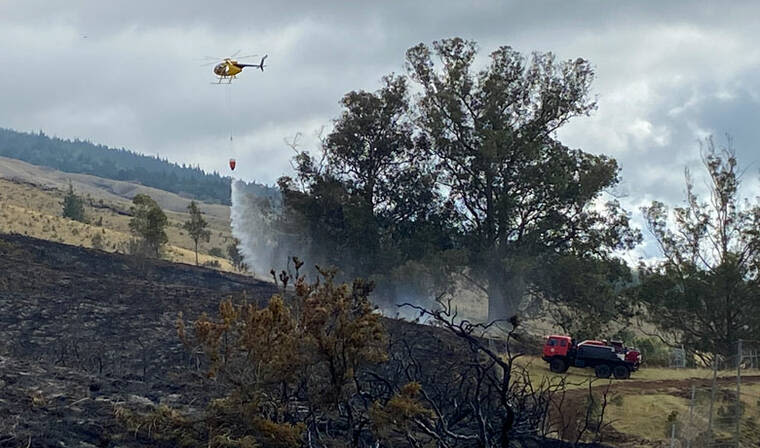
(668, 73)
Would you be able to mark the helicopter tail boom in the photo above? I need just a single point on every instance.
(260, 65)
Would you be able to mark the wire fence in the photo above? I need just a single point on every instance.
(724, 405)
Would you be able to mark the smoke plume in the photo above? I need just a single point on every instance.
(256, 215)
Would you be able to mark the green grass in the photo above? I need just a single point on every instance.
(646, 416)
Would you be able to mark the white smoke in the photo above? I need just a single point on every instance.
(253, 216)
(264, 245)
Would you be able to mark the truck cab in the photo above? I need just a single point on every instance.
(557, 346)
(559, 352)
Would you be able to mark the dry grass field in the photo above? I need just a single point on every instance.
(35, 210)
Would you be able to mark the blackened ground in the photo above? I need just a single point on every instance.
(104, 313)
(82, 330)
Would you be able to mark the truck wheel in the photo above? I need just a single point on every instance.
(558, 366)
(602, 371)
(621, 372)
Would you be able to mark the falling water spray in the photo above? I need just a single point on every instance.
(254, 214)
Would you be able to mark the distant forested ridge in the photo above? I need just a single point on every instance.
(81, 156)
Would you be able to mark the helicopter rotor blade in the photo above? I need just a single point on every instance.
(235, 53)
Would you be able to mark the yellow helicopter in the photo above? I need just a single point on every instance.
(229, 68)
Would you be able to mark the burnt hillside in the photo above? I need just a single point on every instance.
(83, 330)
(104, 313)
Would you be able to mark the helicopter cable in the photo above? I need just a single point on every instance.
(229, 114)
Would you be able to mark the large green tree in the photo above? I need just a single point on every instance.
(196, 227)
(368, 200)
(704, 293)
(148, 223)
(521, 197)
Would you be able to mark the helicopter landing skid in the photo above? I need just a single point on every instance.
(229, 81)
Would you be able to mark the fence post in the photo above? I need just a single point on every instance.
(690, 431)
(712, 399)
(738, 392)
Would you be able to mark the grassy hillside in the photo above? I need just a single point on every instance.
(35, 210)
(111, 192)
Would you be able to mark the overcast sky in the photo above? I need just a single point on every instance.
(128, 74)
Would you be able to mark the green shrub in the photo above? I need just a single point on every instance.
(653, 351)
(73, 206)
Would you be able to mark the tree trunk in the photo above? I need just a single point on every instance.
(497, 301)
(196, 252)
(505, 292)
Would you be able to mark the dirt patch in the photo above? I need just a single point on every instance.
(677, 388)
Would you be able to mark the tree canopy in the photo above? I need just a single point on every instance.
(704, 294)
(368, 201)
(519, 195)
(467, 176)
(73, 205)
(148, 223)
(196, 227)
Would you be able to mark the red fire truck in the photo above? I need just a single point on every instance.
(606, 357)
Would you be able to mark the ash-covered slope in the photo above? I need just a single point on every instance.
(103, 312)
(82, 329)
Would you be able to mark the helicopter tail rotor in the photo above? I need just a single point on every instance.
(261, 64)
